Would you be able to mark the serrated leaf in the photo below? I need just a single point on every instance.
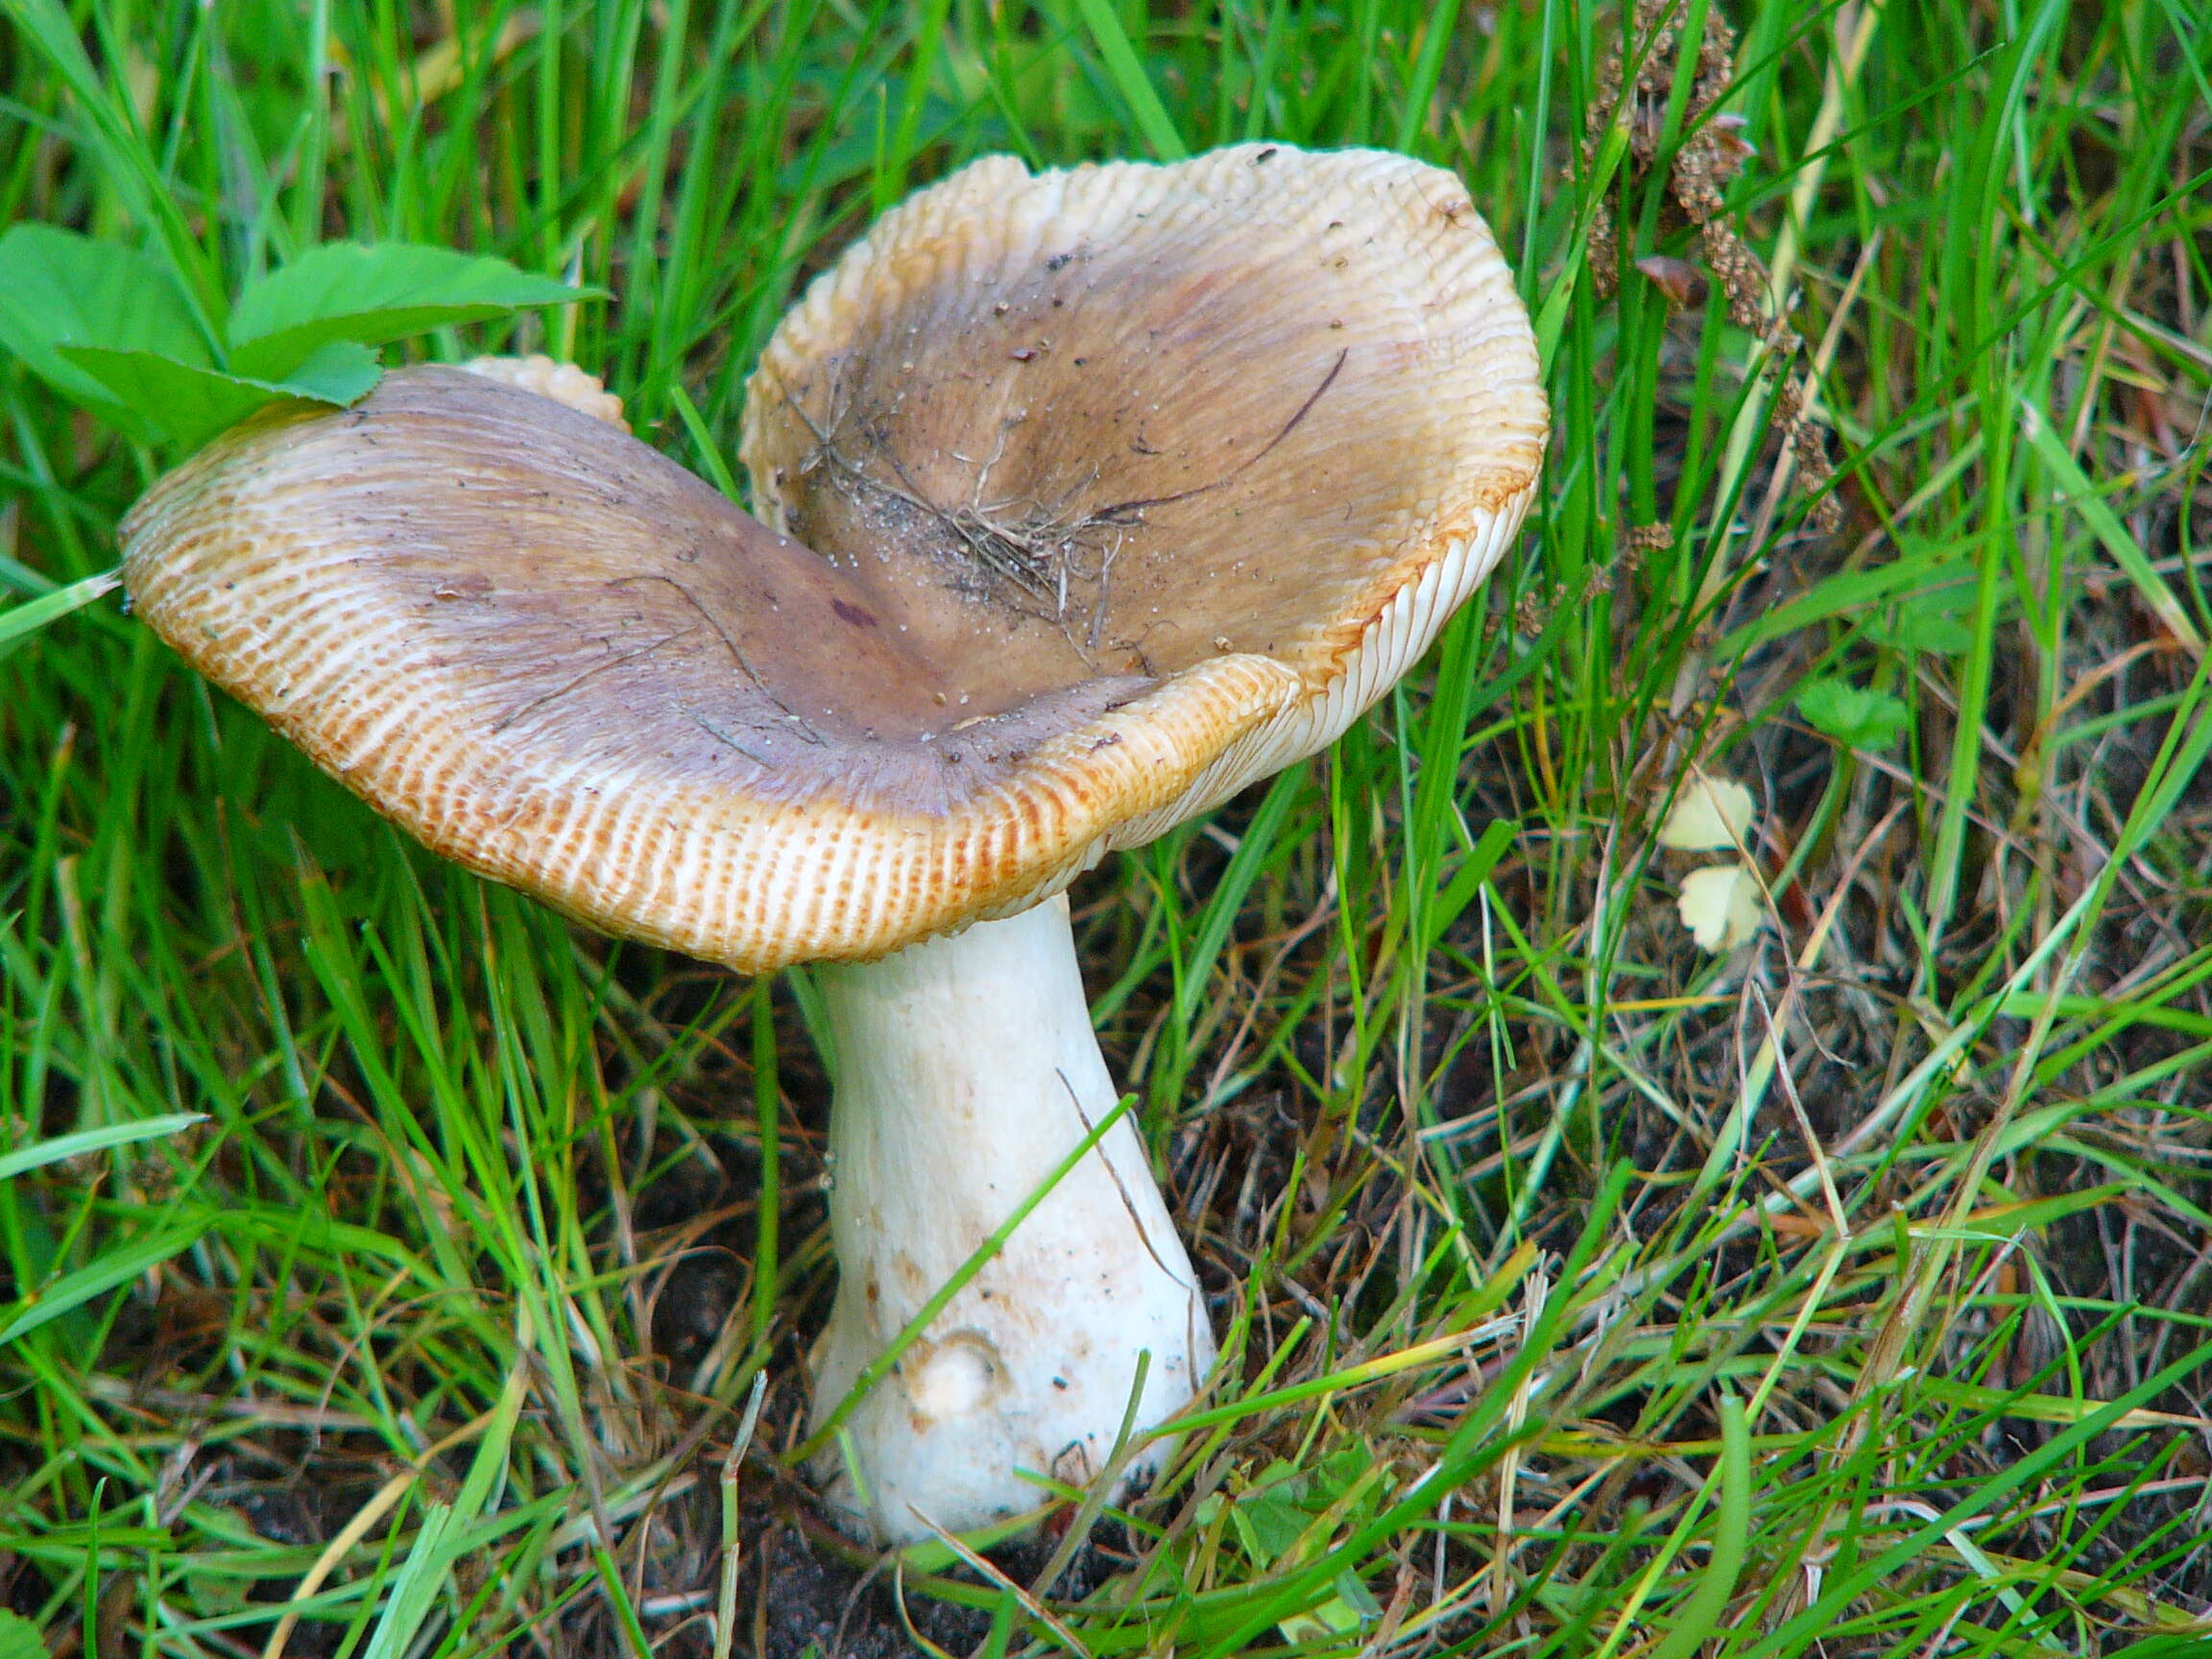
(373, 293)
(340, 372)
(180, 400)
(191, 404)
(1335, 1474)
(58, 289)
(1852, 715)
(19, 1638)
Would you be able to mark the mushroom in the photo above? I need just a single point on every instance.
(1092, 497)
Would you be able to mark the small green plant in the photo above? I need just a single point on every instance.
(118, 332)
(1856, 716)
(19, 1638)
(1283, 1518)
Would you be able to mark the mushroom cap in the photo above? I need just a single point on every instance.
(1094, 496)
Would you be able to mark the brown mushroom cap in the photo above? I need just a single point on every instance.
(1113, 418)
(1123, 487)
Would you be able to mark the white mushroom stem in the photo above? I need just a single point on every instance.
(967, 1074)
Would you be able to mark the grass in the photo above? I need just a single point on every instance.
(1582, 1292)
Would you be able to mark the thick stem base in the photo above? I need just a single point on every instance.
(966, 1071)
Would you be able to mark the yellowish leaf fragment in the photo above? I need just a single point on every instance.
(1722, 905)
(1710, 813)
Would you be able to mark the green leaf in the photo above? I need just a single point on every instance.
(373, 293)
(1854, 717)
(1125, 69)
(1267, 1523)
(192, 404)
(340, 372)
(58, 289)
(1356, 1596)
(1353, 1606)
(180, 400)
(103, 1274)
(1932, 566)
(1931, 622)
(53, 1151)
(19, 1638)
(1317, 1625)
(1706, 1606)
(2088, 500)
(415, 1588)
(18, 622)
